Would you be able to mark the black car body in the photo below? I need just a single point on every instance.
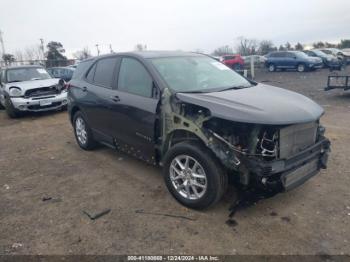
(165, 108)
(64, 73)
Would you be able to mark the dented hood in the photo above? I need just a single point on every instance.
(260, 104)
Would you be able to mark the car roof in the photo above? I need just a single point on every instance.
(23, 67)
(152, 54)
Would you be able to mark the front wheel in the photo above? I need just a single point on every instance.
(193, 176)
(272, 68)
(11, 111)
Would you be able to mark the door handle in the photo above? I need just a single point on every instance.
(115, 98)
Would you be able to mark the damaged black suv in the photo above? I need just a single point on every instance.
(198, 119)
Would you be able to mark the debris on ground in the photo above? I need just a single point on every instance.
(97, 215)
(141, 211)
(247, 198)
(51, 199)
(120, 158)
(16, 245)
(6, 186)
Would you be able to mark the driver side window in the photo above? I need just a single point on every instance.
(134, 78)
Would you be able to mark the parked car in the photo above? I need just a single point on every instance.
(199, 120)
(235, 62)
(64, 73)
(30, 88)
(328, 60)
(292, 60)
(259, 59)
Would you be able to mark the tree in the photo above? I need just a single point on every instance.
(265, 47)
(247, 46)
(140, 47)
(82, 54)
(33, 53)
(54, 55)
(8, 59)
(288, 46)
(299, 47)
(344, 43)
(319, 44)
(281, 48)
(223, 50)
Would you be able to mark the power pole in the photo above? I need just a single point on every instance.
(42, 47)
(2, 43)
(110, 48)
(98, 50)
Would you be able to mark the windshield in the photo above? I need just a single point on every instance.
(301, 54)
(319, 53)
(27, 74)
(197, 74)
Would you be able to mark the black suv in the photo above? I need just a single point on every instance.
(198, 119)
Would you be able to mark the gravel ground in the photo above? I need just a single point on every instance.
(39, 159)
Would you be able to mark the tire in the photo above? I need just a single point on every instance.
(10, 110)
(237, 67)
(271, 68)
(82, 132)
(210, 175)
(301, 68)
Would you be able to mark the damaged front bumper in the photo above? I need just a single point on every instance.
(287, 174)
(41, 103)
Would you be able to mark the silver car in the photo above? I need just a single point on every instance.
(30, 88)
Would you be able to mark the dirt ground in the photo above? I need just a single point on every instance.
(39, 158)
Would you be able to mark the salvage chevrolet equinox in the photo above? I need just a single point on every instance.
(199, 120)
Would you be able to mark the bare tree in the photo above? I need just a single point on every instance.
(140, 47)
(19, 56)
(288, 46)
(299, 47)
(223, 50)
(246, 46)
(33, 53)
(266, 46)
(82, 54)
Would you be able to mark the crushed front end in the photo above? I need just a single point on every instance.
(272, 157)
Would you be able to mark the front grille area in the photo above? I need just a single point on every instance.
(295, 138)
(42, 91)
(38, 107)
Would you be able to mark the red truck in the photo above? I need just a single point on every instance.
(235, 62)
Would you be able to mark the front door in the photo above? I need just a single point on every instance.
(135, 108)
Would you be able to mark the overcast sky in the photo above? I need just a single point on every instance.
(170, 24)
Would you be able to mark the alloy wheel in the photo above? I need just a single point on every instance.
(188, 177)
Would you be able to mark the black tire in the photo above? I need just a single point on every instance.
(301, 68)
(215, 174)
(10, 110)
(90, 142)
(237, 67)
(271, 67)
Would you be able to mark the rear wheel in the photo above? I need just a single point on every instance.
(193, 175)
(237, 67)
(83, 133)
(301, 68)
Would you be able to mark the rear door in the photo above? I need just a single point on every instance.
(98, 99)
(134, 119)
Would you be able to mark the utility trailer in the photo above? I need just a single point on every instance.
(335, 82)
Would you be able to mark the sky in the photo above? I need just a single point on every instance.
(169, 24)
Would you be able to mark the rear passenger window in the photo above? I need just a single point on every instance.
(134, 78)
(104, 72)
(91, 74)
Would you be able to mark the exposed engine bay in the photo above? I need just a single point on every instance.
(257, 152)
